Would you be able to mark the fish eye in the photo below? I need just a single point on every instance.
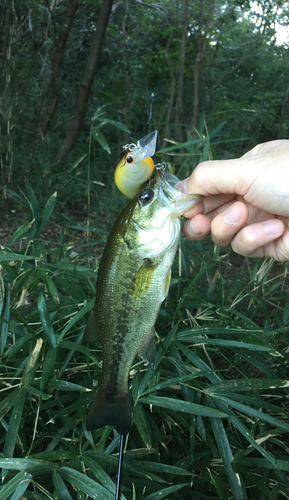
(146, 196)
(129, 159)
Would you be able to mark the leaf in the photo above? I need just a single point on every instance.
(119, 125)
(48, 368)
(45, 320)
(247, 410)
(17, 485)
(47, 211)
(5, 316)
(226, 456)
(223, 343)
(14, 423)
(32, 203)
(182, 406)
(64, 385)
(100, 474)
(100, 139)
(9, 401)
(31, 363)
(37, 466)
(51, 288)
(166, 491)
(247, 384)
(87, 307)
(81, 348)
(9, 256)
(85, 484)
(19, 233)
(142, 424)
(60, 487)
(219, 486)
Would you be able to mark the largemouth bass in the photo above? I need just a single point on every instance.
(135, 165)
(133, 280)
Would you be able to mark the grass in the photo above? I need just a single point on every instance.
(212, 420)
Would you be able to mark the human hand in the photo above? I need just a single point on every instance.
(246, 203)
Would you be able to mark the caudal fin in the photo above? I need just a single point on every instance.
(117, 414)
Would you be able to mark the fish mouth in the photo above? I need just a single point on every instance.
(178, 202)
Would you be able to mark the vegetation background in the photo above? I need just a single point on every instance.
(77, 82)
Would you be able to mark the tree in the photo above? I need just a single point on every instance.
(86, 83)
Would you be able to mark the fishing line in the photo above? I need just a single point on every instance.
(151, 112)
(118, 483)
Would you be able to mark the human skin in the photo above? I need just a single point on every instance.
(246, 202)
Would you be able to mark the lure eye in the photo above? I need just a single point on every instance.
(146, 197)
(129, 159)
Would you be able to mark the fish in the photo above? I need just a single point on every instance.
(133, 280)
(135, 165)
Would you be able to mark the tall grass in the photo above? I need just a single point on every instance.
(212, 420)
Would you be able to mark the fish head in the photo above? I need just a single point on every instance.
(153, 225)
(135, 165)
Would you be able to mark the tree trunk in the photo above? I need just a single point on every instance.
(87, 80)
(5, 11)
(57, 58)
(202, 44)
(179, 116)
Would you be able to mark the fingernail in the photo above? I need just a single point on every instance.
(232, 215)
(182, 186)
(273, 227)
(192, 228)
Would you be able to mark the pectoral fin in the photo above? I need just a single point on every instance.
(148, 352)
(90, 333)
(142, 281)
(167, 284)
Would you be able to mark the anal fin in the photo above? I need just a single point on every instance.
(148, 352)
(90, 333)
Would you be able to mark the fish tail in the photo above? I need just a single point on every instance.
(116, 413)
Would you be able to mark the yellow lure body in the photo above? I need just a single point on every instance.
(129, 175)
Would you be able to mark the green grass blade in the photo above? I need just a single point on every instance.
(10, 256)
(182, 406)
(37, 466)
(227, 457)
(51, 288)
(5, 316)
(101, 475)
(247, 384)
(247, 410)
(20, 231)
(48, 368)
(47, 211)
(100, 139)
(14, 423)
(60, 486)
(119, 125)
(9, 401)
(85, 309)
(85, 484)
(17, 485)
(45, 320)
(142, 424)
(76, 347)
(164, 492)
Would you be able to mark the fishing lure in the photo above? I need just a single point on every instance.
(135, 166)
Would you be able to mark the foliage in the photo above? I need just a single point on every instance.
(210, 422)
(243, 82)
